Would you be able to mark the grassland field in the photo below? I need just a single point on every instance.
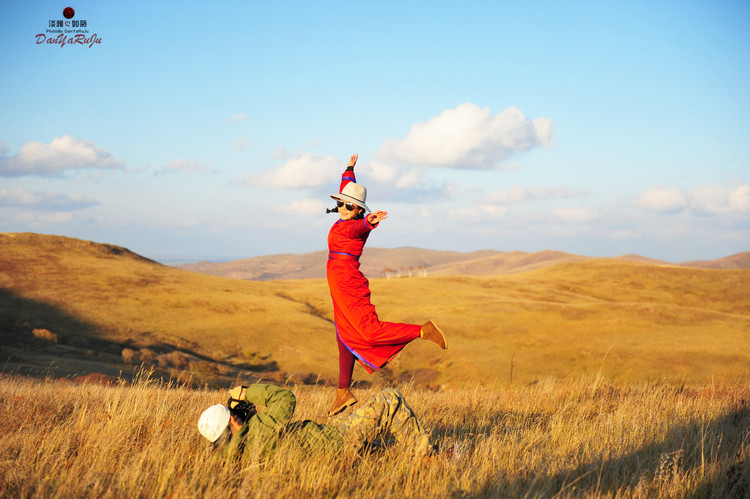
(586, 379)
(579, 437)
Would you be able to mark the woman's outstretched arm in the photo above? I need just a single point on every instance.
(375, 217)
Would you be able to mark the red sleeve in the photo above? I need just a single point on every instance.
(360, 228)
(346, 177)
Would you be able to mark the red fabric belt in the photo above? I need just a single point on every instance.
(332, 255)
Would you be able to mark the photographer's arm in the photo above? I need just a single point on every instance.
(279, 403)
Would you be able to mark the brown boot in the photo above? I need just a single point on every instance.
(430, 331)
(344, 398)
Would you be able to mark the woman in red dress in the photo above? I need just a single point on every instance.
(360, 334)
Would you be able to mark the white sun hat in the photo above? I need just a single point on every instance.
(213, 422)
(354, 193)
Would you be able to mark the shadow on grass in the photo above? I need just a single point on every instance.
(713, 456)
(41, 340)
(19, 317)
(688, 451)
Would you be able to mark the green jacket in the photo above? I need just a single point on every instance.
(262, 431)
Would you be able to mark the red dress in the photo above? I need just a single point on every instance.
(371, 341)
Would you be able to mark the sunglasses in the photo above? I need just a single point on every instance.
(349, 206)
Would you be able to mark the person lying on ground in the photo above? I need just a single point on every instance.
(239, 425)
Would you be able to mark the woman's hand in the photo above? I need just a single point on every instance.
(375, 217)
(353, 160)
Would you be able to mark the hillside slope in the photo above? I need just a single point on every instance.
(103, 306)
(95, 301)
(380, 262)
(737, 261)
(406, 262)
(374, 261)
(505, 263)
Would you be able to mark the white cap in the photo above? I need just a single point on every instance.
(213, 422)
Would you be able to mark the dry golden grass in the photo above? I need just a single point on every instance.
(628, 321)
(588, 379)
(582, 437)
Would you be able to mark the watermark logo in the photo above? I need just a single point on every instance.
(68, 32)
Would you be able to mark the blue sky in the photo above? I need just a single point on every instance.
(197, 131)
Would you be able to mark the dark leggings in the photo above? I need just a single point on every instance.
(346, 365)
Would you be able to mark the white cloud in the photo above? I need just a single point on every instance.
(702, 200)
(54, 218)
(425, 213)
(576, 214)
(304, 170)
(515, 194)
(185, 167)
(18, 197)
(491, 210)
(392, 182)
(716, 200)
(739, 199)
(140, 169)
(45, 201)
(477, 214)
(304, 207)
(321, 175)
(624, 234)
(660, 199)
(399, 177)
(63, 153)
(240, 143)
(519, 194)
(468, 137)
(28, 219)
(381, 172)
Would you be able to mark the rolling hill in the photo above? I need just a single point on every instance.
(402, 262)
(738, 261)
(73, 307)
(375, 261)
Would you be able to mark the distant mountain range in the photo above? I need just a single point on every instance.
(403, 262)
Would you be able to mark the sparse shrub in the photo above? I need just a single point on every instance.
(669, 468)
(129, 355)
(45, 335)
(223, 368)
(203, 368)
(174, 359)
(147, 355)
